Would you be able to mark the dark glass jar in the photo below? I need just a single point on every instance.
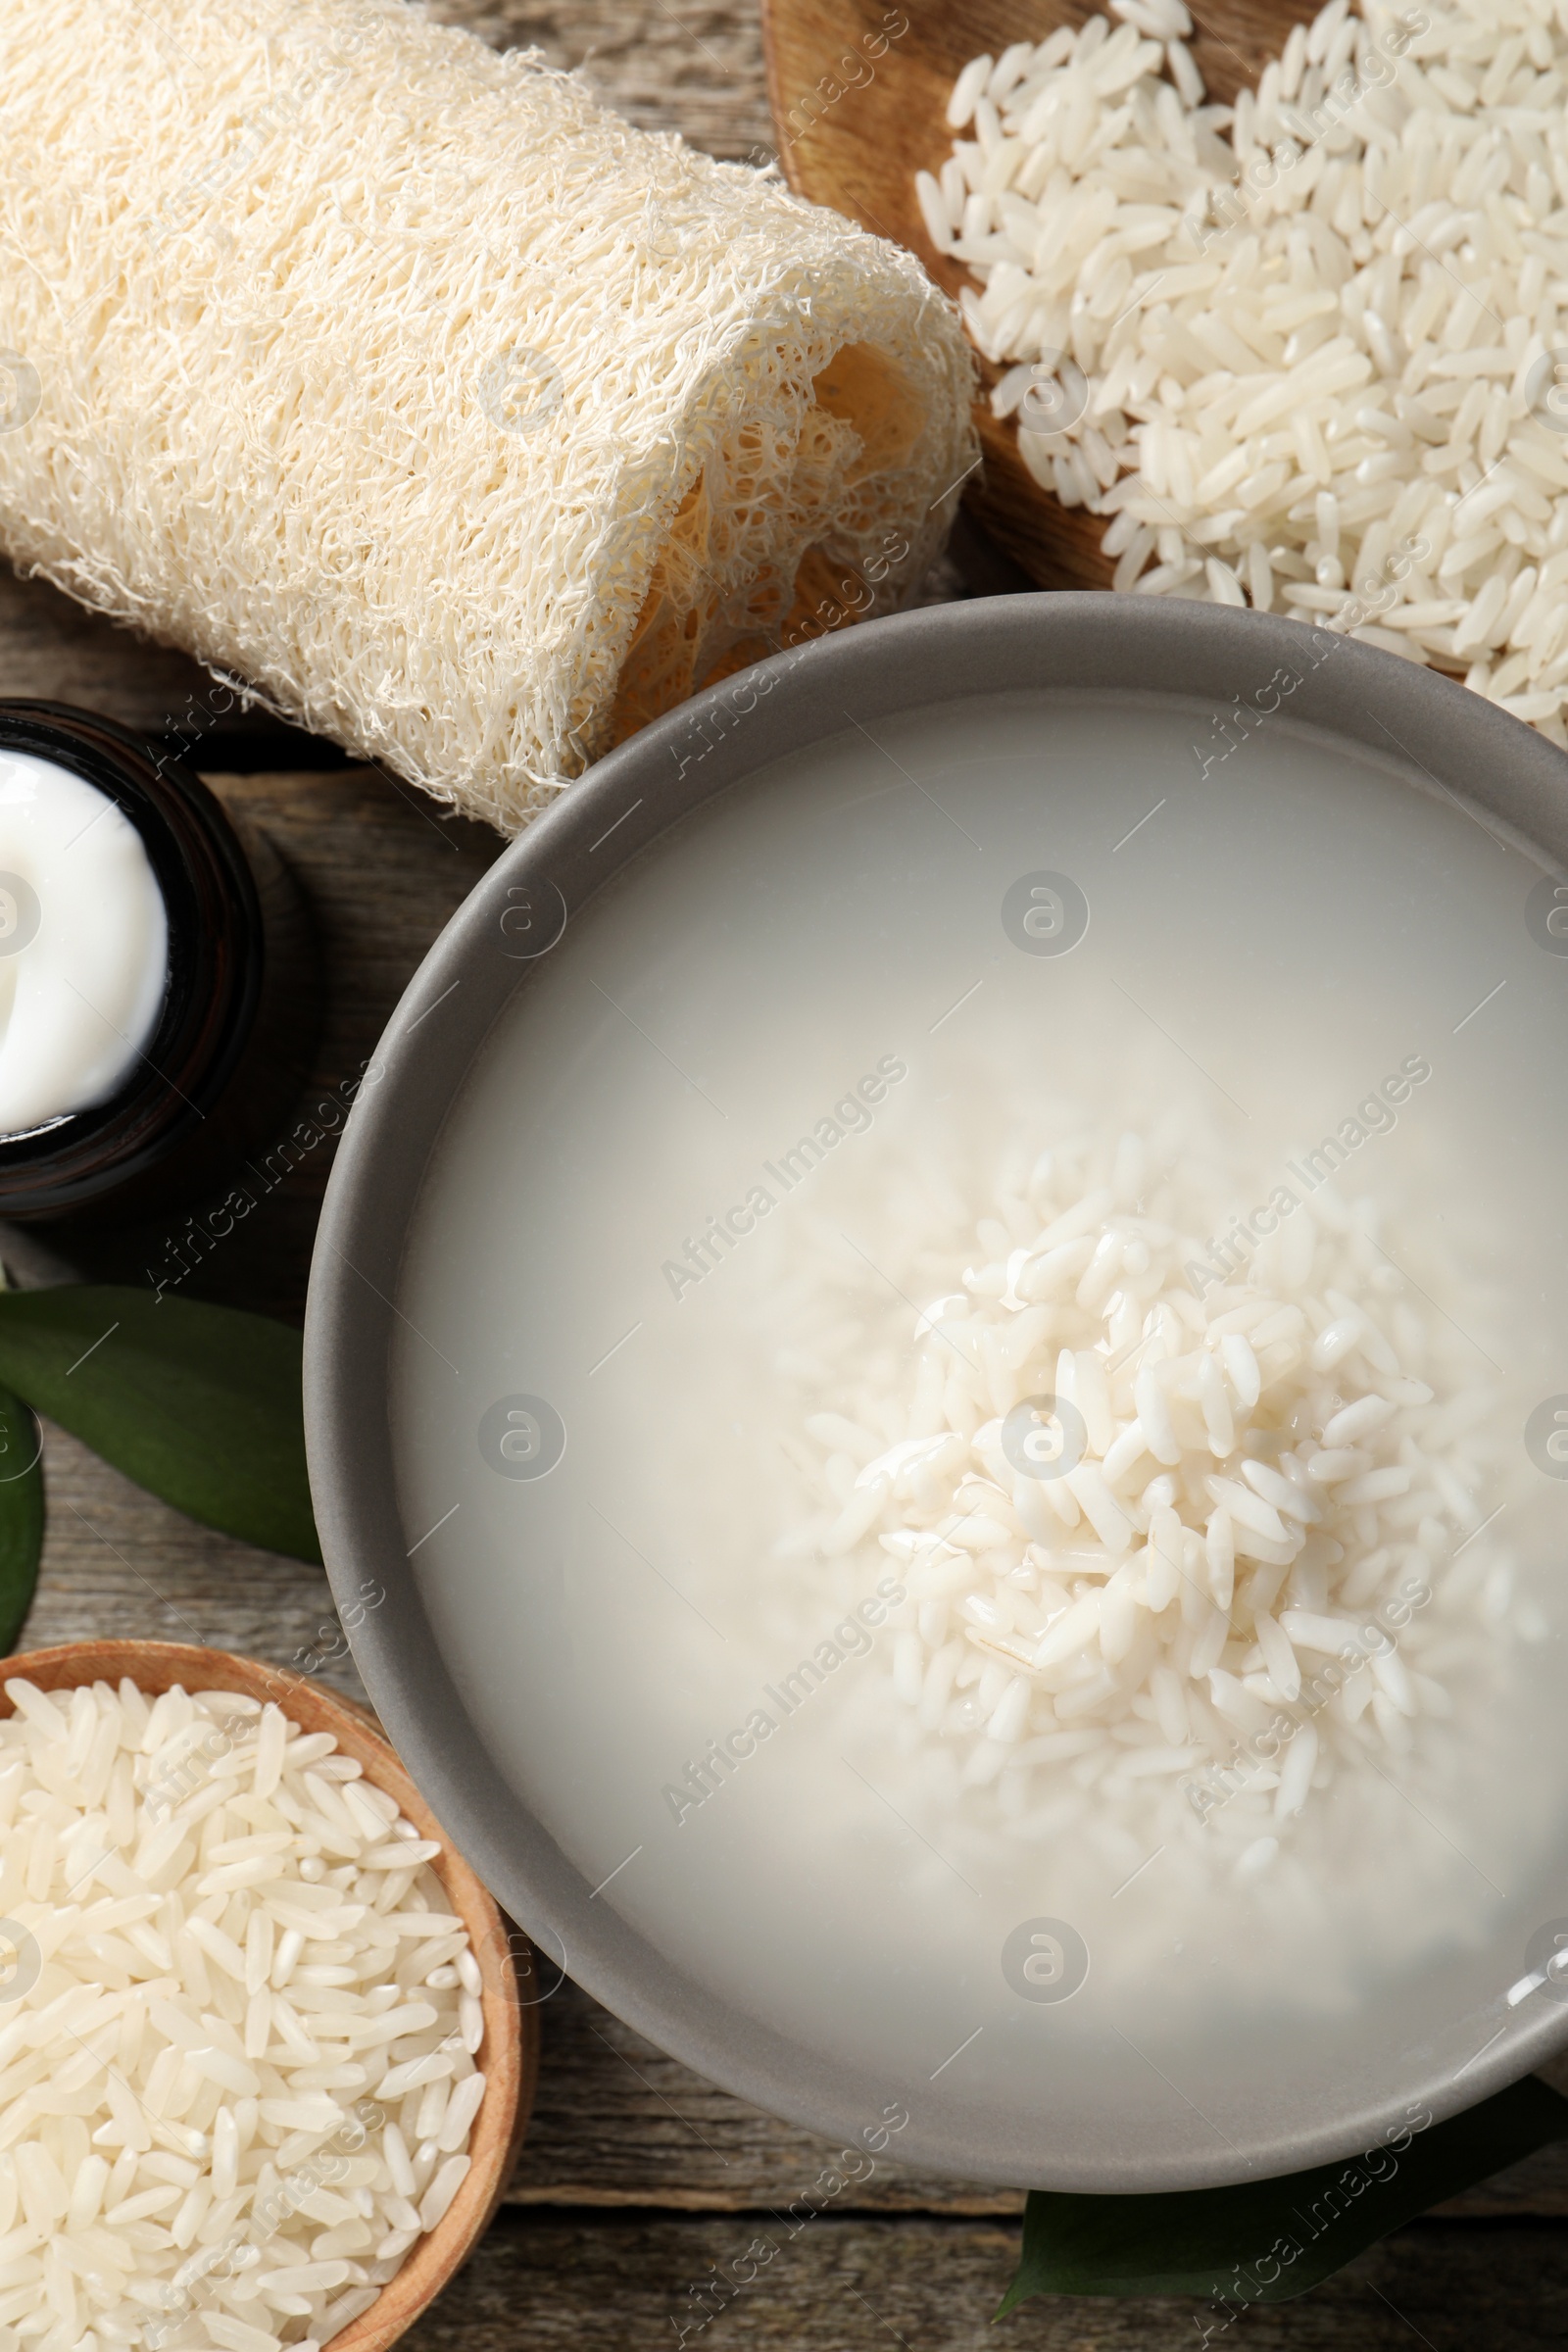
(231, 1045)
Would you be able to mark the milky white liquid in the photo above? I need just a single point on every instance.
(83, 944)
(1260, 951)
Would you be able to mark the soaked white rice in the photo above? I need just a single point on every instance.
(1237, 1550)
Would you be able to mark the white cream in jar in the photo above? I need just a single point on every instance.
(83, 944)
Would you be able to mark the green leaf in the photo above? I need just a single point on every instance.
(200, 1405)
(20, 1515)
(1265, 2241)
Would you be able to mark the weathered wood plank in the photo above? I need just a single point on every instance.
(119, 1562)
(844, 2282)
(695, 67)
(54, 651)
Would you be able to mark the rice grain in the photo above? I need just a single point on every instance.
(1189, 1546)
(243, 2165)
(1310, 352)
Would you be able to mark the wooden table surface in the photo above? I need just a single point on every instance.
(636, 2176)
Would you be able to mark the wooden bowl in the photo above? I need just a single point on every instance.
(510, 2050)
(856, 144)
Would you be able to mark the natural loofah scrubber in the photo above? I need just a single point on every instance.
(404, 382)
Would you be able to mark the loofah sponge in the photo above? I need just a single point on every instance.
(408, 384)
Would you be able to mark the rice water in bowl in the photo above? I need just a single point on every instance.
(979, 1408)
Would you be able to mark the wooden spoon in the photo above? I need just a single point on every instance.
(856, 143)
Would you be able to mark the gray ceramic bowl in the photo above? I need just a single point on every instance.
(1224, 668)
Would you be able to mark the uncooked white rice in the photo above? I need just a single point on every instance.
(239, 2043)
(1315, 338)
(1280, 1466)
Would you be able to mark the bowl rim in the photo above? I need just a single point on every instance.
(1458, 745)
(511, 2028)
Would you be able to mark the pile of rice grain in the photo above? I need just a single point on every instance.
(238, 2039)
(1304, 353)
(1280, 1464)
